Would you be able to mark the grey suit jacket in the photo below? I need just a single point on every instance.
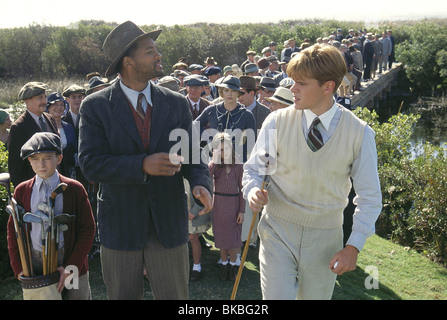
(260, 112)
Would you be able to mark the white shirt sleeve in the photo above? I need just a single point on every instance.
(368, 197)
(263, 151)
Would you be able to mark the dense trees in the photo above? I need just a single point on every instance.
(50, 51)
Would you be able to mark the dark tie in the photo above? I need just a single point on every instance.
(314, 139)
(140, 109)
(42, 124)
(196, 111)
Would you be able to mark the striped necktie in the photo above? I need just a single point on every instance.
(140, 109)
(42, 124)
(314, 138)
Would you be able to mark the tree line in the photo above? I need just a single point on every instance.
(76, 50)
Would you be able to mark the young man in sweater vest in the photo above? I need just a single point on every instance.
(319, 146)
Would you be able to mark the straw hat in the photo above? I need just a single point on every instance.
(120, 39)
(282, 95)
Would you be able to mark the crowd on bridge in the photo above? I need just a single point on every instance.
(98, 147)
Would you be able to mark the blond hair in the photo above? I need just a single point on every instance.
(320, 62)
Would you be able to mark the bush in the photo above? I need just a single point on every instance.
(5, 267)
(413, 180)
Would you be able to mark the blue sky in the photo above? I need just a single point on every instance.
(16, 13)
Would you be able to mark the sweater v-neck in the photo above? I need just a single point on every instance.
(302, 136)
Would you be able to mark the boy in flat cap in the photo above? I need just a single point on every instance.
(33, 120)
(44, 153)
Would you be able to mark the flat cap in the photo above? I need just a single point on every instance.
(73, 88)
(170, 82)
(196, 80)
(32, 89)
(268, 83)
(251, 67)
(212, 70)
(41, 142)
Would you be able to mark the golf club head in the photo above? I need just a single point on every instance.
(5, 180)
(31, 218)
(58, 190)
(42, 215)
(9, 209)
(64, 218)
(44, 207)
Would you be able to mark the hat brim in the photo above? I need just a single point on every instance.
(224, 85)
(112, 67)
(280, 100)
(89, 91)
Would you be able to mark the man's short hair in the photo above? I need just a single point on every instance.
(323, 63)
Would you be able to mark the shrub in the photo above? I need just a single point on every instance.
(5, 267)
(413, 180)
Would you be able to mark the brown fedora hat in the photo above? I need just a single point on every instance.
(120, 39)
(248, 83)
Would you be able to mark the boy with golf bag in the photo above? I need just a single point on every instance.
(49, 240)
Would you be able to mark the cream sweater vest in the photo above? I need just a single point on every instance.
(311, 188)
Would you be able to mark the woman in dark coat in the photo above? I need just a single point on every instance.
(57, 106)
(230, 115)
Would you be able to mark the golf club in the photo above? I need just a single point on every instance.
(52, 239)
(42, 218)
(244, 254)
(61, 221)
(6, 182)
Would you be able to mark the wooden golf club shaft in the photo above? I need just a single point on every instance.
(20, 243)
(244, 254)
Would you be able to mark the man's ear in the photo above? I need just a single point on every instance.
(59, 158)
(329, 87)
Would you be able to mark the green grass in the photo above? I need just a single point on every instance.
(403, 274)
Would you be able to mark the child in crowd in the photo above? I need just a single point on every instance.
(44, 152)
(229, 204)
(198, 225)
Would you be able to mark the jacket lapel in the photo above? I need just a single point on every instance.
(122, 113)
(160, 115)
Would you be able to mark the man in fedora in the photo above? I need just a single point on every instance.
(248, 99)
(33, 120)
(125, 145)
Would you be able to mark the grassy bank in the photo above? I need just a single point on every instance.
(402, 275)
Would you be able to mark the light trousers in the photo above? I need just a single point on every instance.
(294, 260)
(167, 271)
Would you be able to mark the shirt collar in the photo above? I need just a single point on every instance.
(132, 95)
(252, 106)
(193, 103)
(325, 118)
(53, 181)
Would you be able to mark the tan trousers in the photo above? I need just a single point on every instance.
(167, 271)
(294, 260)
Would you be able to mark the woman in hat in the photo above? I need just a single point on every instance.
(5, 125)
(229, 115)
(57, 106)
